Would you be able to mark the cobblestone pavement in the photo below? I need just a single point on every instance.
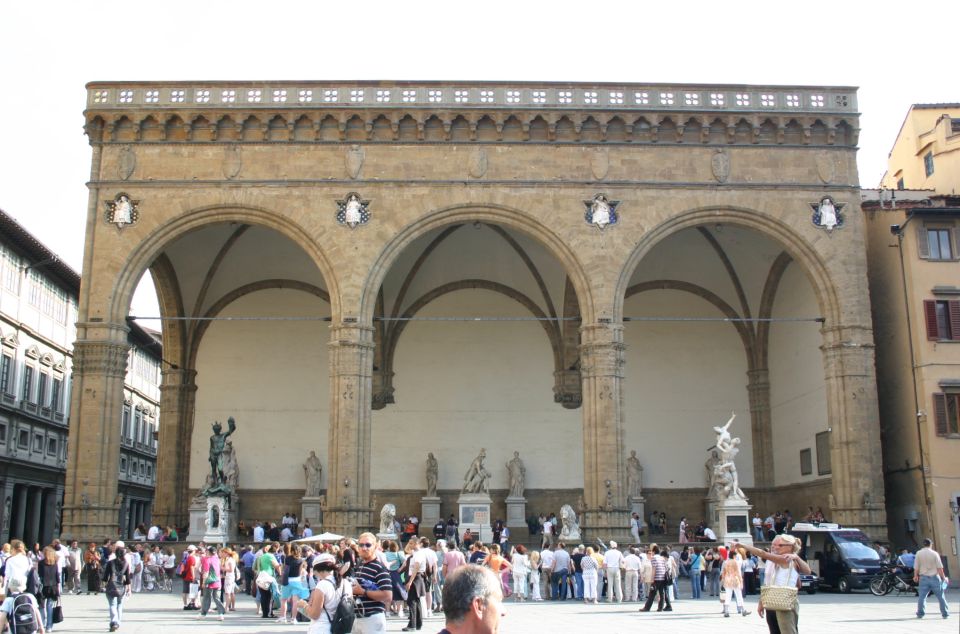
(825, 613)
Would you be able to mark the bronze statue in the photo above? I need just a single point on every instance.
(218, 442)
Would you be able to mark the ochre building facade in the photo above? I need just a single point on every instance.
(378, 270)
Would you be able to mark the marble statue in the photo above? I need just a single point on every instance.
(231, 469)
(712, 461)
(726, 483)
(569, 527)
(311, 471)
(634, 476)
(517, 476)
(387, 515)
(218, 442)
(828, 214)
(475, 480)
(600, 211)
(432, 470)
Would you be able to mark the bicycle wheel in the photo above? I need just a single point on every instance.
(879, 585)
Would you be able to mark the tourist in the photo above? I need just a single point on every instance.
(612, 562)
(116, 572)
(535, 568)
(757, 527)
(591, 572)
(546, 571)
(661, 567)
(472, 602)
(450, 531)
(91, 567)
(140, 533)
(415, 568)
(17, 564)
(258, 532)
(713, 575)
(646, 574)
(74, 566)
(561, 571)
(16, 597)
(520, 565)
(190, 587)
(663, 523)
(395, 558)
(292, 588)
(372, 588)
(210, 571)
(265, 568)
(683, 530)
(49, 574)
(783, 568)
(577, 558)
(929, 576)
(228, 570)
(325, 597)
(631, 575)
(696, 565)
(731, 579)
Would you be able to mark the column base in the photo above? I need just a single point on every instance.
(348, 521)
(89, 523)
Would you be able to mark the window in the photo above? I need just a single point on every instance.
(939, 244)
(943, 319)
(56, 393)
(38, 443)
(125, 426)
(27, 383)
(928, 163)
(123, 464)
(823, 453)
(6, 367)
(806, 462)
(3, 433)
(23, 439)
(42, 389)
(900, 184)
(149, 471)
(51, 446)
(947, 410)
(137, 422)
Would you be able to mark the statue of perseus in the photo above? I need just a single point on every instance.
(218, 443)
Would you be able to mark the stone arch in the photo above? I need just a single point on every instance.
(143, 254)
(802, 252)
(486, 213)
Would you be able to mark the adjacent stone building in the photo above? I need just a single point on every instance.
(375, 270)
(38, 313)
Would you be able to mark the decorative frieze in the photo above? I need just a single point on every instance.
(98, 357)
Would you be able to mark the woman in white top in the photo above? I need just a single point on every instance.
(17, 564)
(521, 572)
(325, 598)
(783, 568)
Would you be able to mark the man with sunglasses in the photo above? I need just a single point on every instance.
(372, 588)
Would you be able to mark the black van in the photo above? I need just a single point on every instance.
(841, 558)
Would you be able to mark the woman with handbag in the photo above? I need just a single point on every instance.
(781, 578)
(49, 575)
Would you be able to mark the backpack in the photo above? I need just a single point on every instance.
(115, 572)
(343, 617)
(183, 570)
(23, 616)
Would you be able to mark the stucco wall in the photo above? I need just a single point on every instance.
(272, 377)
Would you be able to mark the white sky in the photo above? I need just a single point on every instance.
(897, 54)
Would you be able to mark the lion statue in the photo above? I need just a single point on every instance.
(570, 529)
(387, 514)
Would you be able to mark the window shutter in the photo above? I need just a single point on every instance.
(940, 410)
(953, 243)
(930, 315)
(923, 244)
(954, 310)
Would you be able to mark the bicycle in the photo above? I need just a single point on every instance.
(888, 580)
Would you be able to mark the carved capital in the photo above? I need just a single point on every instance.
(99, 357)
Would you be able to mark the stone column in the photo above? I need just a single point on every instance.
(99, 364)
(347, 510)
(601, 365)
(855, 454)
(33, 522)
(18, 528)
(178, 392)
(758, 391)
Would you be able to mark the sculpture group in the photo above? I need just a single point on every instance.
(724, 483)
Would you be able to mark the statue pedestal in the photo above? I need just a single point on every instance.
(429, 511)
(475, 515)
(213, 519)
(730, 520)
(311, 510)
(516, 512)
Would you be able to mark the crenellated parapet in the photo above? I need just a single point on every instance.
(428, 112)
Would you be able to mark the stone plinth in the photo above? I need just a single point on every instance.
(475, 515)
(311, 510)
(516, 512)
(730, 520)
(605, 525)
(429, 511)
(214, 519)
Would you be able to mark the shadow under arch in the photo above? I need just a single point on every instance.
(488, 213)
(800, 250)
(143, 255)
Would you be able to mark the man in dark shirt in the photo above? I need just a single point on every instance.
(578, 554)
(372, 588)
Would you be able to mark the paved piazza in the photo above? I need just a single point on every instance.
(859, 612)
